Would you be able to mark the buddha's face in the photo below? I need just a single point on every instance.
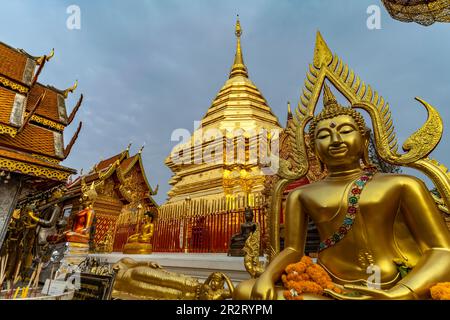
(248, 216)
(338, 141)
(147, 219)
(217, 283)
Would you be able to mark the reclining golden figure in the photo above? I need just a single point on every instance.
(365, 219)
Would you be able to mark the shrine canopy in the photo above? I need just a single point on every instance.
(424, 12)
(33, 117)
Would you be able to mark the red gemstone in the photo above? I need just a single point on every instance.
(356, 191)
(351, 210)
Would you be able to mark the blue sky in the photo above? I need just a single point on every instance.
(149, 67)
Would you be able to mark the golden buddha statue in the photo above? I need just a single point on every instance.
(141, 242)
(366, 220)
(81, 229)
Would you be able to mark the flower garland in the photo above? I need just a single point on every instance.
(440, 291)
(352, 209)
(306, 277)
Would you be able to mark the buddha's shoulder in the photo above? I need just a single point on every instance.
(387, 179)
(308, 188)
(395, 179)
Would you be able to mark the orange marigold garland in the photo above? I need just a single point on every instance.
(440, 291)
(306, 277)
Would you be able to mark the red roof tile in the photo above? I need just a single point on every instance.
(106, 163)
(48, 107)
(32, 139)
(127, 162)
(12, 63)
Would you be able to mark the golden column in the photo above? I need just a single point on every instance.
(186, 225)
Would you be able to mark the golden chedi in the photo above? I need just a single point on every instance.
(215, 161)
(366, 220)
(141, 242)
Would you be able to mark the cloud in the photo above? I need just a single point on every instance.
(149, 67)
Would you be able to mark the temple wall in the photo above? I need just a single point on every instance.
(8, 198)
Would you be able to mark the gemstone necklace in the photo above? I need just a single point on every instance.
(352, 210)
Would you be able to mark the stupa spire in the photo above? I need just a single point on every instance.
(238, 68)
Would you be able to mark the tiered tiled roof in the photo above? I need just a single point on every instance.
(33, 117)
(49, 107)
(121, 165)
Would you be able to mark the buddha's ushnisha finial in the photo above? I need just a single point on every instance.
(328, 98)
(289, 111)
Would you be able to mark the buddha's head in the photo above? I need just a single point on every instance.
(248, 214)
(338, 135)
(149, 216)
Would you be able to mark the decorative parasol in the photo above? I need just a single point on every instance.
(424, 12)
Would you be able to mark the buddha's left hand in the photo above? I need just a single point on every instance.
(395, 293)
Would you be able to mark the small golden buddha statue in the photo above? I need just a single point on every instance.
(141, 242)
(366, 220)
(214, 287)
(81, 229)
(237, 241)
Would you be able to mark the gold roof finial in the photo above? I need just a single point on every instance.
(238, 68)
(51, 54)
(71, 89)
(46, 57)
(238, 30)
(142, 148)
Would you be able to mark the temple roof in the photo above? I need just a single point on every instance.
(15, 161)
(104, 164)
(52, 106)
(120, 165)
(16, 64)
(33, 116)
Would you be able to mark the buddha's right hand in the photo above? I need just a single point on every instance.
(264, 289)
